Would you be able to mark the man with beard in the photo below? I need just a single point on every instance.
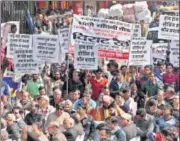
(56, 81)
(33, 85)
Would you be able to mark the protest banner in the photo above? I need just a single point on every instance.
(171, 12)
(24, 62)
(18, 41)
(86, 57)
(159, 50)
(112, 37)
(46, 48)
(64, 39)
(168, 27)
(136, 30)
(174, 53)
(140, 53)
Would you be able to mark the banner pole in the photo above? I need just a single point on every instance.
(67, 75)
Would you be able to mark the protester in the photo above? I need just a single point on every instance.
(55, 133)
(130, 129)
(116, 130)
(145, 122)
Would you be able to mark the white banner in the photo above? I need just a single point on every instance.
(168, 27)
(86, 57)
(174, 53)
(136, 30)
(18, 41)
(112, 37)
(140, 53)
(24, 62)
(159, 50)
(46, 48)
(64, 39)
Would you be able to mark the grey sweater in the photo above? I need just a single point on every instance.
(132, 131)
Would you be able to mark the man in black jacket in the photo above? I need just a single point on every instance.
(74, 83)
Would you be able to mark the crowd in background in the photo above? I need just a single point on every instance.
(126, 102)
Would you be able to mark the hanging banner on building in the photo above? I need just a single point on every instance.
(174, 53)
(86, 57)
(159, 50)
(168, 27)
(18, 41)
(136, 30)
(111, 37)
(140, 53)
(64, 39)
(24, 62)
(46, 48)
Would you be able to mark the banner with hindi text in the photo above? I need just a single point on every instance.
(159, 50)
(174, 53)
(24, 62)
(46, 48)
(86, 57)
(140, 53)
(18, 41)
(112, 37)
(168, 27)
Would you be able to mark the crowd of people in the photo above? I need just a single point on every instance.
(118, 104)
(113, 103)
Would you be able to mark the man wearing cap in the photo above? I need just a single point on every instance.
(102, 112)
(55, 134)
(130, 129)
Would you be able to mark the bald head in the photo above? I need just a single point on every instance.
(68, 123)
